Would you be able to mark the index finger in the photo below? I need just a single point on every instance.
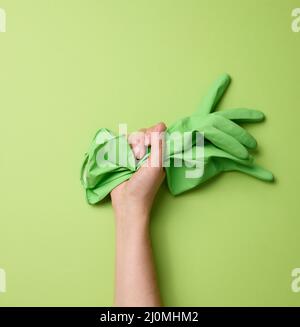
(156, 137)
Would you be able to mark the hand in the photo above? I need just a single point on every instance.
(136, 283)
(133, 198)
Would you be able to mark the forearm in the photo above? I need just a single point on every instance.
(132, 200)
(136, 283)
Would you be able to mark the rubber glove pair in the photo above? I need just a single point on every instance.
(226, 143)
(226, 147)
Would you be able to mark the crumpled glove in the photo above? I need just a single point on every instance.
(226, 147)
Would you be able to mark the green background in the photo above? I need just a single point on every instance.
(70, 67)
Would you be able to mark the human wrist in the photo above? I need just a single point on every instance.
(133, 228)
(131, 210)
(137, 216)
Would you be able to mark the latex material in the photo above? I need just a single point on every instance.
(225, 149)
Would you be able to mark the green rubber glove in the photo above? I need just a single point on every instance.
(100, 179)
(226, 143)
(225, 149)
(215, 162)
(218, 128)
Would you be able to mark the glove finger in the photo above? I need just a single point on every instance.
(225, 142)
(211, 151)
(236, 131)
(214, 95)
(242, 115)
(252, 170)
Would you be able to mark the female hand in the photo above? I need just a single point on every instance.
(136, 283)
(135, 196)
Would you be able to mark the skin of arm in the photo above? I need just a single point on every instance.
(135, 278)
